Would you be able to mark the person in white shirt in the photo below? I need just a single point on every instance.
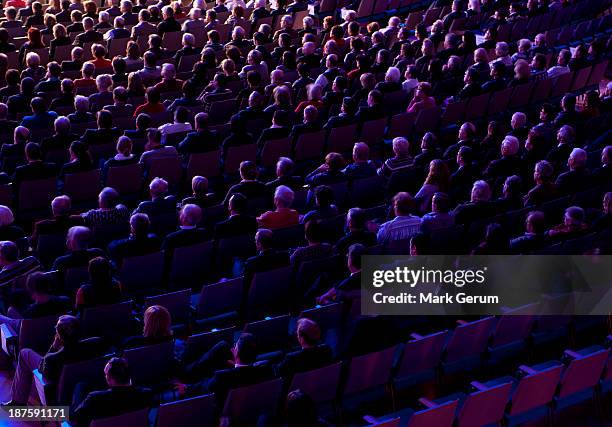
(181, 124)
(562, 64)
(411, 81)
(404, 225)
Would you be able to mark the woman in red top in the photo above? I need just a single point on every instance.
(153, 104)
(315, 93)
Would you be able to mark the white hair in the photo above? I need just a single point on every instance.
(510, 145)
(104, 82)
(283, 196)
(188, 39)
(32, 59)
(191, 214)
(519, 119)
(61, 205)
(81, 103)
(168, 71)
(578, 157)
(6, 216)
(400, 145)
(158, 186)
(393, 74)
(61, 123)
(104, 16)
(481, 192)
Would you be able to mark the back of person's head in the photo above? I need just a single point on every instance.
(574, 215)
(536, 222)
(38, 105)
(157, 322)
(61, 205)
(356, 219)
(308, 332)
(140, 224)
(9, 252)
(100, 271)
(33, 151)
(68, 329)
(300, 410)
(481, 192)
(143, 121)
(238, 204)
(355, 252)
(248, 170)
(190, 215)
(264, 239)
(108, 198)
(78, 238)
(283, 196)
(245, 349)
(324, 196)
(403, 204)
(39, 283)
(334, 161)
(117, 372)
(314, 231)
(441, 202)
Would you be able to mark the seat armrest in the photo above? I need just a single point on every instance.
(461, 322)
(9, 338)
(526, 369)
(416, 336)
(570, 354)
(427, 403)
(479, 386)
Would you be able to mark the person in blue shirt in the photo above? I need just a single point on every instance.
(41, 118)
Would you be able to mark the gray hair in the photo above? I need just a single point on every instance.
(158, 186)
(191, 214)
(61, 205)
(81, 103)
(62, 123)
(393, 74)
(481, 192)
(283, 196)
(6, 216)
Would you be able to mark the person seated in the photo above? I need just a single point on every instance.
(497, 81)
(249, 185)
(283, 216)
(89, 34)
(534, 237)
(348, 109)
(374, 109)
(324, 199)
(81, 111)
(284, 175)
(467, 137)
(143, 123)
(279, 130)
(578, 178)
(123, 157)
(169, 82)
(356, 224)
(350, 288)
(160, 204)
(104, 96)
(75, 63)
(316, 249)
(120, 106)
(478, 207)
(66, 348)
(61, 139)
(121, 397)
(238, 135)
(188, 44)
(41, 119)
(238, 223)
(559, 154)
(401, 158)
(79, 253)
(157, 329)
(311, 355)
(511, 196)
(80, 160)
(180, 125)
(153, 104)
(118, 32)
(573, 225)
(329, 172)
(422, 99)
(200, 195)
(189, 233)
(309, 124)
(58, 224)
(404, 225)
(101, 288)
(35, 168)
(155, 150)
(140, 242)
(495, 242)
(509, 163)
(52, 82)
(41, 302)
(604, 220)
(105, 133)
(202, 139)
(267, 258)
(561, 68)
(439, 217)
(604, 172)
(109, 210)
(361, 167)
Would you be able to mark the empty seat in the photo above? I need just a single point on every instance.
(138, 418)
(193, 412)
(250, 402)
(141, 274)
(191, 264)
(177, 303)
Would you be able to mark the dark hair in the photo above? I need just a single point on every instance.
(314, 231)
(100, 272)
(238, 203)
(246, 347)
(324, 196)
(33, 151)
(354, 254)
(39, 282)
(300, 410)
(119, 370)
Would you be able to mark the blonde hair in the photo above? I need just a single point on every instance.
(157, 322)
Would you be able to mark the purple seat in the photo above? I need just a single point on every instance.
(221, 111)
(467, 343)
(532, 394)
(113, 321)
(36, 334)
(125, 179)
(198, 344)
(369, 371)
(562, 84)
(581, 79)
(151, 364)
(82, 186)
(366, 192)
(598, 73)
(420, 358)
(6, 195)
(341, 139)
(168, 168)
(485, 406)
(74, 278)
(235, 247)
(521, 95)
(289, 237)
(477, 106)
(248, 403)
(236, 155)
(435, 415)
(138, 418)
(499, 101)
(453, 113)
(271, 333)
(389, 423)
(36, 194)
(427, 120)
(327, 316)
(373, 131)
(206, 164)
(177, 303)
(89, 371)
(273, 149)
(511, 331)
(191, 264)
(269, 292)
(220, 298)
(193, 412)
(401, 124)
(580, 377)
(320, 384)
(142, 273)
(541, 90)
(309, 146)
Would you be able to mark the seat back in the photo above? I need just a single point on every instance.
(401, 124)
(477, 106)
(422, 354)
(36, 194)
(37, 334)
(439, 416)
(138, 418)
(514, 325)
(273, 149)
(236, 155)
(191, 264)
(499, 100)
(469, 339)
(125, 179)
(369, 371)
(151, 364)
(193, 412)
(366, 192)
(484, 407)
(177, 303)
(271, 333)
(373, 131)
(269, 291)
(341, 139)
(327, 316)
(112, 321)
(562, 84)
(206, 164)
(582, 373)
(220, 298)
(168, 168)
(198, 344)
(535, 390)
(50, 246)
(321, 384)
(74, 278)
(427, 119)
(143, 272)
(103, 234)
(247, 403)
(288, 237)
(88, 371)
(521, 95)
(309, 146)
(82, 186)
